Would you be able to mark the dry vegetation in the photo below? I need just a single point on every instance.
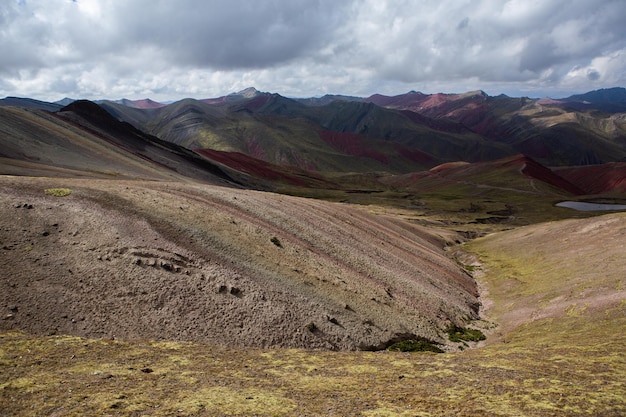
(554, 298)
(568, 373)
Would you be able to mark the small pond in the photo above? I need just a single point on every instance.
(582, 206)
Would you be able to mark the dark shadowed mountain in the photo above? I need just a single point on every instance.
(611, 100)
(83, 140)
(29, 103)
(604, 95)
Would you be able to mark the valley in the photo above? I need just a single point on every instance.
(258, 255)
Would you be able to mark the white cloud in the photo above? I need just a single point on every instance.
(197, 48)
(601, 71)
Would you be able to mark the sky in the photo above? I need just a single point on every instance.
(172, 49)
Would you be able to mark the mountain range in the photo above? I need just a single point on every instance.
(397, 134)
(260, 137)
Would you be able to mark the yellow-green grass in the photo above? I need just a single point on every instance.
(556, 269)
(535, 374)
(58, 192)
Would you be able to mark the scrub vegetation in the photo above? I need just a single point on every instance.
(464, 334)
(58, 192)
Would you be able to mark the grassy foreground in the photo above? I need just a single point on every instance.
(558, 351)
(74, 377)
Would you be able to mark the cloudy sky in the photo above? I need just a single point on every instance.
(171, 49)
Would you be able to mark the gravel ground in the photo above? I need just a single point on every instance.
(152, 260)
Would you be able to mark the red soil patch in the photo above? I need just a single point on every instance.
(597, 179)
(261, 169)
(352, 144)
(414, 154)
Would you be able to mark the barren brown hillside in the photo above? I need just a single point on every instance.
(555, 292)
(150, 260)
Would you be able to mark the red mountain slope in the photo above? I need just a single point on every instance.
(497, 173)
(432, 105)
(597, 179)
(264, 170)
(352, 144)
(533, 169)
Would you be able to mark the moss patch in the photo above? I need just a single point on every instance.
(58, 192)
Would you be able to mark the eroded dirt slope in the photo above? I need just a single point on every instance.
(139, 259)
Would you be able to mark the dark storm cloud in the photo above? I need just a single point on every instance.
(15, 41)
(217, 34)
(593, 75)
(228, 34)
(139, 48)
(538, 54)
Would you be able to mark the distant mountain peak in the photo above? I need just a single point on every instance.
(65, 101)
(29, 103)
(603, 95)
(249, 92)
(474, 94)
(145, 103)
(148, 104)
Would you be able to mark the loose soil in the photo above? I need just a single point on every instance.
(193, 262)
